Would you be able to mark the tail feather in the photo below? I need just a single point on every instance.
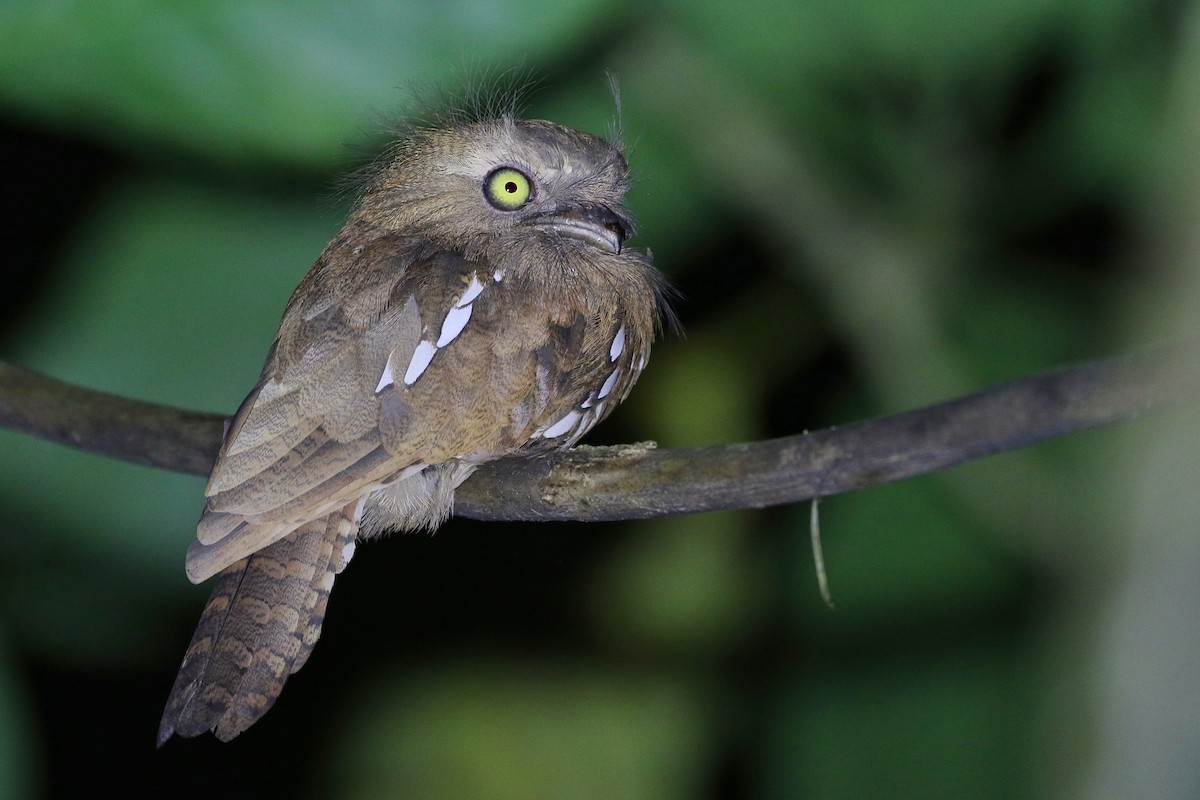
(260, 624)
(340, 555)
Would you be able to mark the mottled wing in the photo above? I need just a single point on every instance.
(503, 365)
(456, 362)
(306, 440)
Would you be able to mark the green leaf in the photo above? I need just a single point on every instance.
(244, 80)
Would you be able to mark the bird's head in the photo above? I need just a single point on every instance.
(483, 186)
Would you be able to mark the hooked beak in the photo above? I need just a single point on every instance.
(595, 225)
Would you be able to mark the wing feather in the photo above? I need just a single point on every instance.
(324, 426)
(309, 464)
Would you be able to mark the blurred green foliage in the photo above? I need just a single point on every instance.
(542, 730)
(868, 206)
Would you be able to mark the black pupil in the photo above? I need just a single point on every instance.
(511, 187)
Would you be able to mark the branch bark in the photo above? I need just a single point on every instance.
(640, 481)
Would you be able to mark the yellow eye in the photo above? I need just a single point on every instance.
(507, 189)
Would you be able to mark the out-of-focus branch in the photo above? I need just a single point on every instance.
(638, 481)
(131, 430)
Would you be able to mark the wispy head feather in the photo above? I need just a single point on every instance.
(482, 94)
(616, 130)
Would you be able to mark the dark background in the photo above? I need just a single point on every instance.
(868, 206)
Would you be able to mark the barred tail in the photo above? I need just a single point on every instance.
(259, 626)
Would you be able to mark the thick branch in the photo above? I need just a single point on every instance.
(634, 481)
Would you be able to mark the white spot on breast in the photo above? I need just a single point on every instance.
(387, 379)
(498, 275)
(562, 426)
(420, 360)
(618, 344)
(473, 290)
(348, 552)
(453, 325)
(608, 385)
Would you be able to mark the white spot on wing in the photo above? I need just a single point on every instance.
(386, 379)
(618, 344)
(608, 385)
(473, 290)
(542, 376)
(453, 325)
(271, 390)
(562, 426)
(348, 552)
(420, 360)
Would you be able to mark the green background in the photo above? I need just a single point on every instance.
(867, 205)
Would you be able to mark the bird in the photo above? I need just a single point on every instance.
(478, 303)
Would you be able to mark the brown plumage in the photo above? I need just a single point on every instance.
(478, 303)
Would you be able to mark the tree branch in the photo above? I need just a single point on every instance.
(131, 430)
(639, 481)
